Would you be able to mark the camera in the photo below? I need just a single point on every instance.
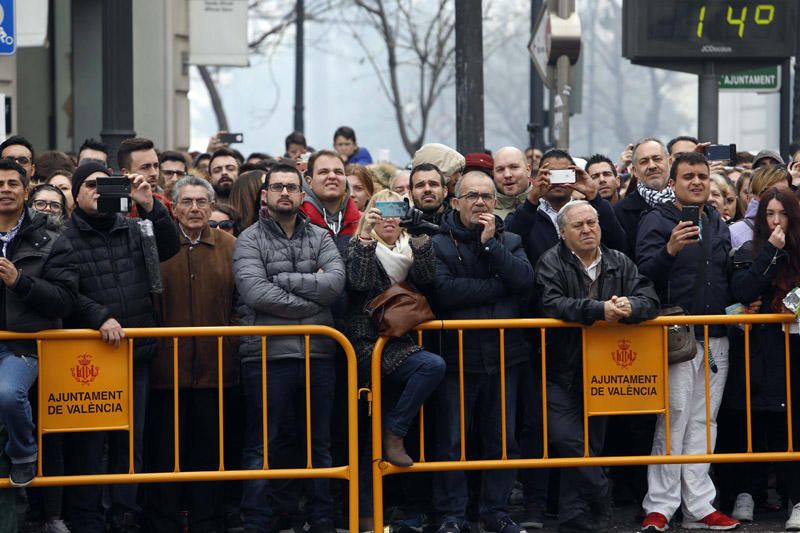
(115, 194)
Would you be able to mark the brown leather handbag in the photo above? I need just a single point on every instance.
(398, 310)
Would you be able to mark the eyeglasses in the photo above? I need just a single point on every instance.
(90, 184)
(221, 224)
(188, 202)
(291, 188)
(170, 173)
(22, 160)
(473, 196)
(42, 205)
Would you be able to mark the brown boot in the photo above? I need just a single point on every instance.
(393, 450)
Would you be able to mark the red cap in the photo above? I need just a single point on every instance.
(479, 161)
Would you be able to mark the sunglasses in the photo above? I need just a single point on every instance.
(22, 160)
(221, 224)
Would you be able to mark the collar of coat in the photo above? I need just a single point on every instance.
(608, 262)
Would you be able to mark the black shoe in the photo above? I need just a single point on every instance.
(503, 525)
(22, 474)
(603, 511)
(582, 523)
(532, 517)
(449, 527)
(126, 522)
(322, 526)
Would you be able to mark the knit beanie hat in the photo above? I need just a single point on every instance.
(83, 172)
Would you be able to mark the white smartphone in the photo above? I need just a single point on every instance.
(566, 175)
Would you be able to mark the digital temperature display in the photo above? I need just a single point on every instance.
(705, 30)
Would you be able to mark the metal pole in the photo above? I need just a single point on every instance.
(708, 104)
(298, 67)
(117, 75)
(565, 9)
(785, 107)
(536, 95)
(469, 76)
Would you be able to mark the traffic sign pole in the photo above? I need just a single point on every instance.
(708, 104)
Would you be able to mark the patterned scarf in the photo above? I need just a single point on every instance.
(653, 197)
(7, 237)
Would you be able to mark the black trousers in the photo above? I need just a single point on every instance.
(579, 485)
(199, 450)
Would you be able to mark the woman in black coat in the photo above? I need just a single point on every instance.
(764, 269)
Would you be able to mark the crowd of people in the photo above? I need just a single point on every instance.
(301, 239)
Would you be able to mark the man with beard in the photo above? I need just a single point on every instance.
(138, 156)
(511, 175)
(287, 271)
(223, 170)
(428, 191)
(650, 167)
(327, 202)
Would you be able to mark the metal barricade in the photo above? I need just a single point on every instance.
(348, 472)
(380, 468)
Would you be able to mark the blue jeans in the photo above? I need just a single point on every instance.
(481, 407)
(285, 378)
(419, 375)
(17, 375)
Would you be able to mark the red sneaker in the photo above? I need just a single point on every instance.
(717, 521)
(655, 522)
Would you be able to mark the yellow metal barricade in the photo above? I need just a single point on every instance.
(654, 376)
(83, 361)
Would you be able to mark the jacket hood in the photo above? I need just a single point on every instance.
(317, 203)
(752, 208)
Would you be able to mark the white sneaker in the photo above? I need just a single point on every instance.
(743, 508)
(793, 524)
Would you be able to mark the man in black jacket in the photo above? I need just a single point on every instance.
(650, 167)
(40, 284)
(582, 281)
(114, 293)
(688, 264)
(481, 272)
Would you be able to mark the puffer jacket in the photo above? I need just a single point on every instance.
(366, 279)
(47, 287)
(474, 281)
(559, 279)
(284, 281)
(674, 276)
(113, 275)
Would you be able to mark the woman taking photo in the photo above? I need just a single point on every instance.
(764, 269)
(383, 254)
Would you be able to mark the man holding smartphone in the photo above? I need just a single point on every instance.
(114, 293)
(683, 246)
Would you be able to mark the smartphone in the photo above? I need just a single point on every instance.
(691, 213)
(115, 194)
(392, 209)
(230, 138)
(721, 152)
(566, 175)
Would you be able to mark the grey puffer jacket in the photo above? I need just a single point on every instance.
(286, 281)
(366, 279)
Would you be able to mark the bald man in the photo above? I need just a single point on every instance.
(511, 175)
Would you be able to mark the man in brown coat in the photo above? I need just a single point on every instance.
(198, 291)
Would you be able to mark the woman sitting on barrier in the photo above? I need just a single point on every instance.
(766, 268)
(383, 254)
